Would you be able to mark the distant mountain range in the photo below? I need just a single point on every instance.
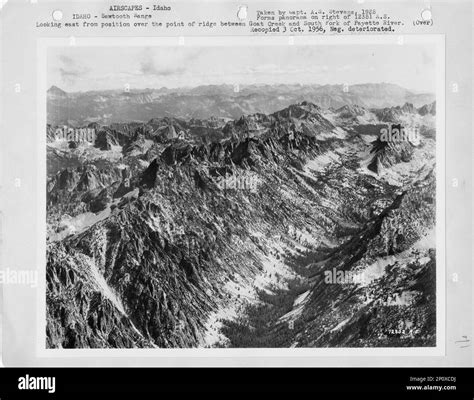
(220, 101)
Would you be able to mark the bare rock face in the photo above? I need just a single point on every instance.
(393, 114)
(428, 109)
(105, 141)
(237, 228)
(79, 315)
(386, 154)
(100, 202)
(350, 111)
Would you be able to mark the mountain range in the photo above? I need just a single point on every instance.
(196, 231)
(220, 101)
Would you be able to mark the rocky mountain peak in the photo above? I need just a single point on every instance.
(56, 92)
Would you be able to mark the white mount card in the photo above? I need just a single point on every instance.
(217, 183)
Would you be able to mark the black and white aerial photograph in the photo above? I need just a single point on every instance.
(241, 197)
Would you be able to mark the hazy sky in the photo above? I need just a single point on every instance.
(75, 68)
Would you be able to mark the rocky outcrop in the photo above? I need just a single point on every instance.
(350, 111)
(428, 109)
(105, 140)
(385, 154)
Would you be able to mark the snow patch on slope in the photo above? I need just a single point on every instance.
(101, 284)
(298, 307)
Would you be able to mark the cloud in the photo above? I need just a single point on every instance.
(70, 70)
(265, 69)
(284, 70)
(344, 68)
(84, 68)
(148, 66)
